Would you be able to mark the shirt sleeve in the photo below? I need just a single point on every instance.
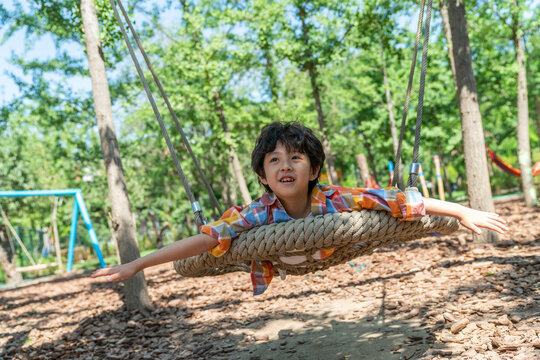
(234, 221)
(407, 205)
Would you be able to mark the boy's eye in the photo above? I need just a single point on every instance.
(273, 159)
(296, 157)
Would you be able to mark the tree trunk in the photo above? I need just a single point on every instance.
(7, 260)
(446, 180)
(371, 161)
(237, 168)
(157, 241)
(478, 186)
(389, 106)
(135, 290)
(310, 65)
(361, 161)
(331, 169)
(524, 145)
(448, 35)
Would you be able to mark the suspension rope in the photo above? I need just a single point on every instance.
(397, 159)
(171, 111)
(197, 211)
(413, 172)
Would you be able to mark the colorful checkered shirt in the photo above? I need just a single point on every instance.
(267, 209)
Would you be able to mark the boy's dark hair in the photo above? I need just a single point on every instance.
(295, 137)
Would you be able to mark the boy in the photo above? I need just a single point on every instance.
(288, 159)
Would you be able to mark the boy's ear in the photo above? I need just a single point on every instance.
(314, 173)
(263, 180)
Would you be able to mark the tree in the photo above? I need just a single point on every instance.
(524, 146)
(478, 186)
(123, 221)
(320, 34)
(509, 30)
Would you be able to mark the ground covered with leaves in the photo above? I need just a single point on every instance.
(436, 298)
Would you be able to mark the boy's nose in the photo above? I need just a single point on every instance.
(286, 165)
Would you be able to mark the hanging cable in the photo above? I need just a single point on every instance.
(171, 111)
(397, 170)
(415, 166)
(197, 211)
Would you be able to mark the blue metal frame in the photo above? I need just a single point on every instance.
(78, 206)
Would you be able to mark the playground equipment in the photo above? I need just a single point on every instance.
(440, 186)
(78, 205)
(425, 191)
(509, 168)
(353, 234)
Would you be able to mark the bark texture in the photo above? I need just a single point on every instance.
(389, 106)
(237, 168)
(443, 8)
(361, 161)
(135, 290)
(524, 145)
(478, 186)
(313, 77)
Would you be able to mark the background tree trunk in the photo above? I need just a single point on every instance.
(331, 169)
(448, 35)
(136, 293)
(312, 71)
(478, 186)
(524, 145)
(7, 260)
(361, 161)
(389, 106)
(237, 168)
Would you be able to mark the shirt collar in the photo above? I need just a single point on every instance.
(268, 199)
(318, 195)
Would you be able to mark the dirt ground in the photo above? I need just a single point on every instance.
(436, 298)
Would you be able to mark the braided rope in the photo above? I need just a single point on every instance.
(352, 234)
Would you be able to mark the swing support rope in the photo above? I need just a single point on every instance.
(354, 234)
(199, 216)
(415, 165)
(197, 210)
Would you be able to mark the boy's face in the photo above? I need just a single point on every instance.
(287, 173)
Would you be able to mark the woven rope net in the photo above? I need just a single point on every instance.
(352, 234)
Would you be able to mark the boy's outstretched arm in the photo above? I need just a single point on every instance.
(191, 246)
(470, 218)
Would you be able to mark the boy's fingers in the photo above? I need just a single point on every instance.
(475, 229)
(113, 277)
(499, 225)
(102, 272)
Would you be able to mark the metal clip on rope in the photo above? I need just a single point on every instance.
(414, 170)
(200, 219)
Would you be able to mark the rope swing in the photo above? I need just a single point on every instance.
(352, 234)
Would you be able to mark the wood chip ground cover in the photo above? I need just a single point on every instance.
(436, 298)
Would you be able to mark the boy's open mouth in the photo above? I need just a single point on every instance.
(286, 179)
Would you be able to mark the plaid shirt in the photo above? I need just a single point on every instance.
(267, 209)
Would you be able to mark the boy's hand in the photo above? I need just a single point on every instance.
(118, 272)
(474, 219)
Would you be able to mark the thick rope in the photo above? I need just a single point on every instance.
(351, 234)
(198, 217)
(397, 159)
(169, 106)
(413, 176)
